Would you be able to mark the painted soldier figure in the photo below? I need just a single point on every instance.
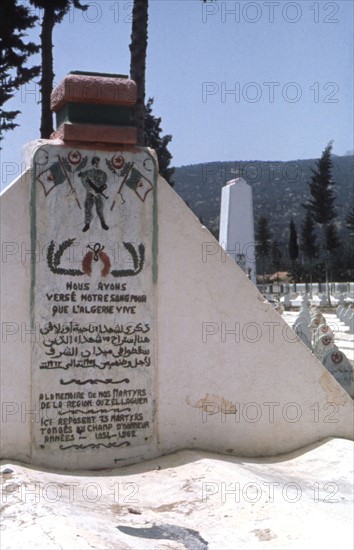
(94, 181)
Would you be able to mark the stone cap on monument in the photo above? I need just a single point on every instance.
(94, 108)
(236, 181)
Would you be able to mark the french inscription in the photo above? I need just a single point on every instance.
(94, 364)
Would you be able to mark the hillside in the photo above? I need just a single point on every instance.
(279, 189)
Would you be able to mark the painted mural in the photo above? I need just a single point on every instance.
(93, 303)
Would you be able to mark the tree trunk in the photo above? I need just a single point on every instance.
(138, 47)
(47, 71)
(327, 267)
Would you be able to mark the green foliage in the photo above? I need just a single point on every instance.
(308, 237)
(276, 256)
(263, 238)
(53, 12)
(332, 241)
(293, 246)
(275, 195)
(15, 19)
(306, 273)
(349, 222)
(154, 140)
(321, 204)
(59, 7)
(263, 243)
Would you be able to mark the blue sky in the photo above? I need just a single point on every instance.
(232, 80)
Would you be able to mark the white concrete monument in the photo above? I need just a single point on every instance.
(127, 333)
(237, 225)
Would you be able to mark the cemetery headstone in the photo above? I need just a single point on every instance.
(339, 310)
(287, 302)
(324, 343)
(339, 366)
(301, 329)
(317, 319)
(347, 315)
(351, 324)
(304, 312)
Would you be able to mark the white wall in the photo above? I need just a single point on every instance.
(15, 321)
(277, 395)
(237, 224)
(196, 291)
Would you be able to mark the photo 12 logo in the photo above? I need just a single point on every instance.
(269, 492)
(270, 92)
(270, 12)
(68, 491)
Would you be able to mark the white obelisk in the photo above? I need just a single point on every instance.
(236, 234)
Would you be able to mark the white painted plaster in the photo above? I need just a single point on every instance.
(299, 501)
(237, 225)
(16, 338)
(230, 375)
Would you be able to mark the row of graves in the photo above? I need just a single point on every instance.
(321, 337)
(292, 295)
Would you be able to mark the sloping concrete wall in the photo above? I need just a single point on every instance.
(16, 338)
(230, 376)
(233, 377)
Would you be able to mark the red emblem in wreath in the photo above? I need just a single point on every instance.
(74, 157)
(118, 162)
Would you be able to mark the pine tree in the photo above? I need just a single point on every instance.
(53, 12)
(293, 246)
(154, 140)
(15, 20)
(309, 246)
(332, 241)
(321, 205)
(263, 242)
(263, 237)
(349, 222)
